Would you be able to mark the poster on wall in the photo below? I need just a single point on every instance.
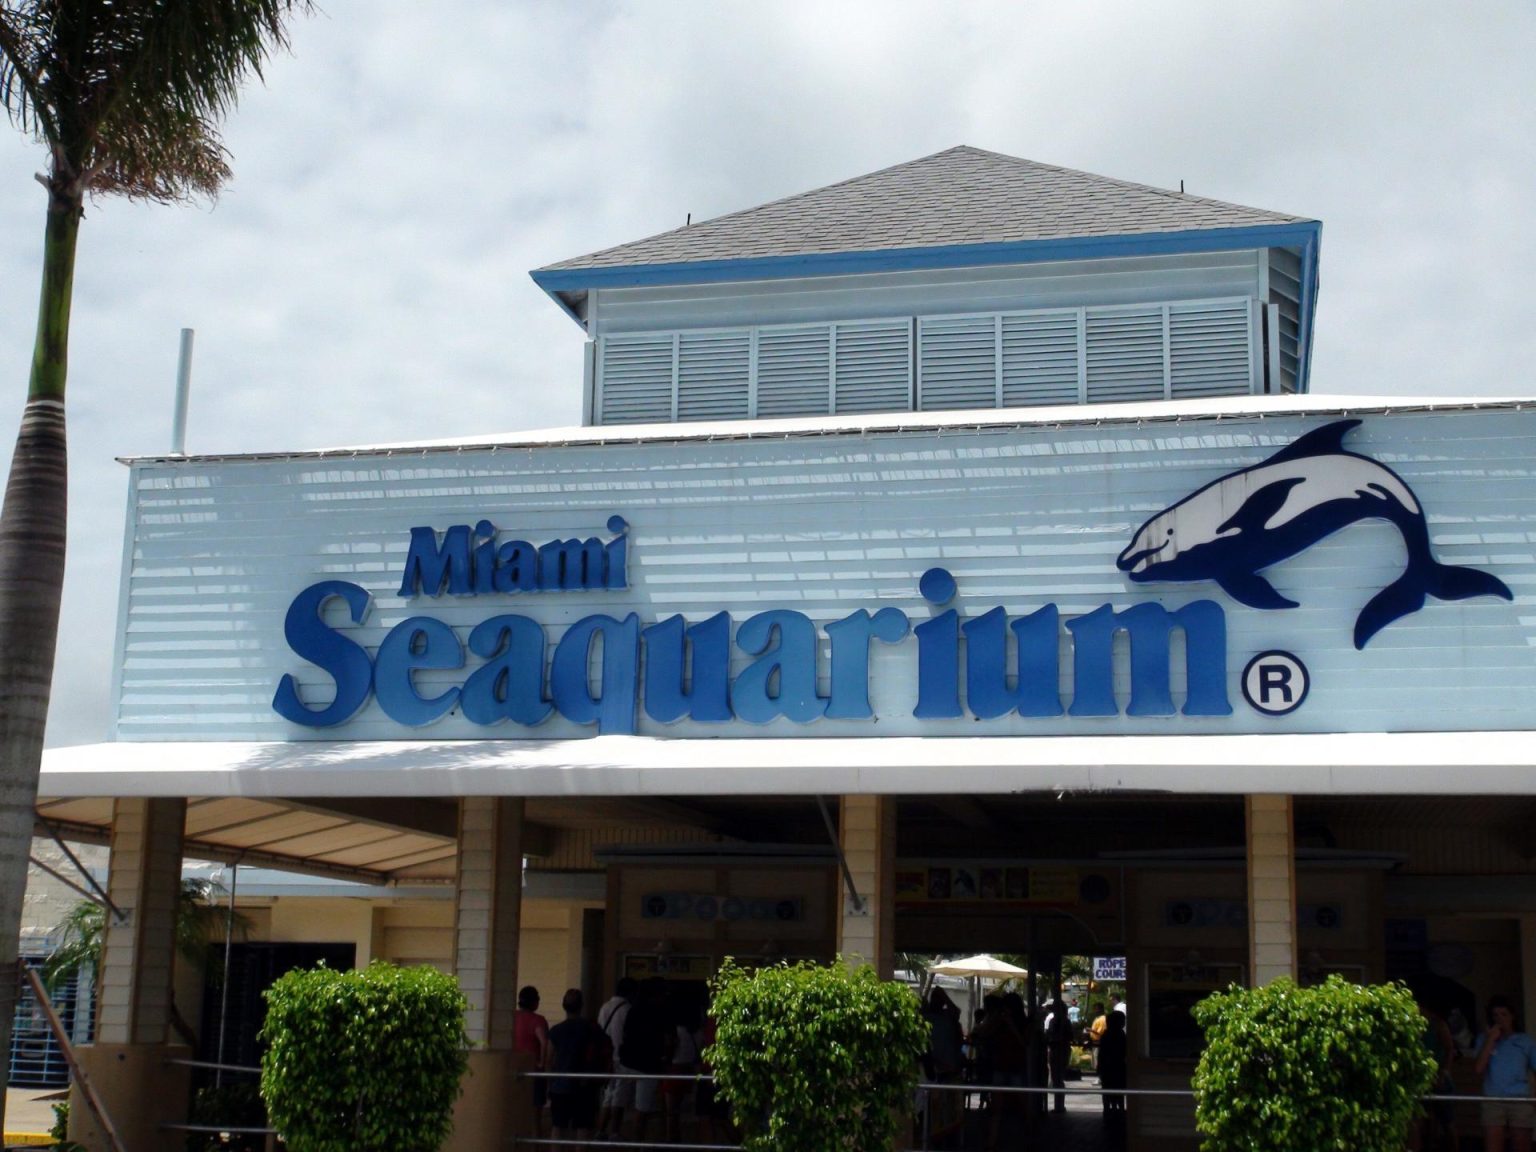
(1172, 991)
(983, 882)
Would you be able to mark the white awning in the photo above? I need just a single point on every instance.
(1404, 763)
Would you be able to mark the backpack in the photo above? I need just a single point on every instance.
(599, 1055)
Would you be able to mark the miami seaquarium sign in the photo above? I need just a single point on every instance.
(605, 670)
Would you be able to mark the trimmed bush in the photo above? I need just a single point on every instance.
(1289, 1069)
(814, 1057)
(364, 1061)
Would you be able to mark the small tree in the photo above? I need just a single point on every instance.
(1289, 1069)
(814, 1058)
(363, 1061)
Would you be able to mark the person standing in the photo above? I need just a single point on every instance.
(530, 1035)
(1095, 1033)
(575, 1045)
(1058, 1048)
(1506, 1057)
(1113, 1053)
(648, 1039)
(618, 1094)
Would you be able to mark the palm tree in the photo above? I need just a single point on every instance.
(125, 96)
(82, 933)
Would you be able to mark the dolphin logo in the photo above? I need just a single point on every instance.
(1234, 527)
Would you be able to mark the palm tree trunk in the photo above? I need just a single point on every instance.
(32, 525)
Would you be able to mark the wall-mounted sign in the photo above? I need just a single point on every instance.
(871, 583)
(999, 884)
(1109, 968)
(1242, 523)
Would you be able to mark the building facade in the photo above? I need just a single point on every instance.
(951, 559)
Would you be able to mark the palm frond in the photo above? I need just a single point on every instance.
(80, 936)
(127, 93)
(22, 36)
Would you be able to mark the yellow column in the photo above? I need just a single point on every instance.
(1271, 889)
(867, 833)
(128, 1062)
(494, 1106)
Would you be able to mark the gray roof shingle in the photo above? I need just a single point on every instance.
(959, 196)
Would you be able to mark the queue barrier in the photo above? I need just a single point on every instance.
(702, 1078)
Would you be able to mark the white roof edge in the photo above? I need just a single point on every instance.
(1399, 763)
(1236, 407)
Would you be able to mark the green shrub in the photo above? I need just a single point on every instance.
(813, 1058)
(234, 1105)
(59, 1133)
(1289, 1069)
(366, 1061)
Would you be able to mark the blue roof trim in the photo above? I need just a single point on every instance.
(1302, 234)
(554, 280)
(1310, 281)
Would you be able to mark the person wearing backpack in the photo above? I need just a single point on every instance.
(576, 1045)
(618, 1095)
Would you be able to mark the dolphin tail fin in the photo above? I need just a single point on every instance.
(1406, 594)
(1452, 582)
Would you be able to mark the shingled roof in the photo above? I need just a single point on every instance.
(962, 196)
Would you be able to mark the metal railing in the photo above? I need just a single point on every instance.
(923, 1087)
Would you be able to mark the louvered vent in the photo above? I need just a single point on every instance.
(794, 370)
(957, 364)
(1209, 349)
(635, 379)
(1011, 360)
(1040, 358)
(714, 374)
(1125, 355)
(873, 370)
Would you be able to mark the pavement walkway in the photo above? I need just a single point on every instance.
(29, 1113)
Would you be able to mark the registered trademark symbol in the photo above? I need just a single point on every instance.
(1275, 683)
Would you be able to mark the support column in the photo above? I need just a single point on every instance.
(867, 835)
(128, 1062)
(487, 908)
(1271, 888)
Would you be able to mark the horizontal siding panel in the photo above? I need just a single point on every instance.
(1004, 288)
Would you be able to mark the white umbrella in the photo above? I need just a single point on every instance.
(979, 968)
(982, 965)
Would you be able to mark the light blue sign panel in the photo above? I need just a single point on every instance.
(1287, 574)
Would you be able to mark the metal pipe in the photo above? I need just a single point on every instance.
(183, 392)
(837, 846)
(229, 940)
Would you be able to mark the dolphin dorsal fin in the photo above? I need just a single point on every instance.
(1322, 441)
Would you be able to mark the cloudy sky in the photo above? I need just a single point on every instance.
(364, 278)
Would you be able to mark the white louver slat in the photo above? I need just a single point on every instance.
(1210, 347)
(714, 374)
(873, 366)
(635, 375)
(794, 370)
(1125, 355)
(1040, 358)
(957, 362)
